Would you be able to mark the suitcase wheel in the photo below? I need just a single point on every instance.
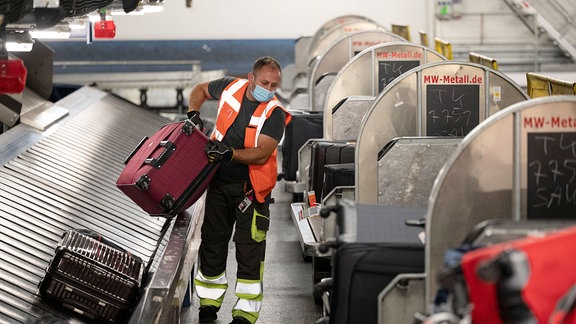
(143, 183)
(167, 202)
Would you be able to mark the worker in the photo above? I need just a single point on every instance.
(249, 125)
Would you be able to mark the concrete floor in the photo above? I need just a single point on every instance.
(287, 277)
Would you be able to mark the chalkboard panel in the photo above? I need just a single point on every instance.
(551, 172)
(390, 70)
(452, 109)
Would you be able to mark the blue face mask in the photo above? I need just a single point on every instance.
(261, 94)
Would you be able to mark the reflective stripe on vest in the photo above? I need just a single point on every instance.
(257, 120)
(229, 106)
(262, 177)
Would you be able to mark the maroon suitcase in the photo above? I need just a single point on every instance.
(169, 171)
(92, 277)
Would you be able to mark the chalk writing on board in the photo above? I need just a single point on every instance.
(452, 110)
(390, 70)
(551, 173)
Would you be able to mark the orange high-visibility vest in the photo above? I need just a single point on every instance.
(262, 177)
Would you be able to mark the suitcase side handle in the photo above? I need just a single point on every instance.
(169, 148)
(78, 306)
(144, 139)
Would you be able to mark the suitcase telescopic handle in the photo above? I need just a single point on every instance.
(158, 162)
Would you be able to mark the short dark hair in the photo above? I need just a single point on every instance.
(263, 61)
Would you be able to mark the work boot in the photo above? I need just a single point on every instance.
(240, 320)
(208, 313)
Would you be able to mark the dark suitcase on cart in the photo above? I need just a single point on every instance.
(92, 277)
(383, 247)
(302, 127)
(168, 172)
(337, 175)
(327, 152)
(362, 271)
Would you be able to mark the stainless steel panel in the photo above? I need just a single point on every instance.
(320, 88)
(340, 52)
(359, 77)
(44, 116)
(348, 116)
(167, 289)
(54, 194)
(389, 117)
(401, 110)
(333, 24)
(337, 32)
(327, 229)
(406, 172)
(300, 56)
(489, 176)
(401, 299)
(354, 79)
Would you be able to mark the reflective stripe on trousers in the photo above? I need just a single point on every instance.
(250, 294)
(210, 290)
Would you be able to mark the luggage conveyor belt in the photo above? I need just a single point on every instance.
(65, 178)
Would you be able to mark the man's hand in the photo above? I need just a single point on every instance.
(218, 151)
(194, 116)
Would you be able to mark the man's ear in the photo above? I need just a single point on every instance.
(250, 77)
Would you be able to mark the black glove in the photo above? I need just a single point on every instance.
(194, 117)
(218, 151)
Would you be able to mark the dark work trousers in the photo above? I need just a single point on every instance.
(222, 218)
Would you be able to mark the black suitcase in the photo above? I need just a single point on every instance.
(361, 271)
(336, 175)
(375, 244)
(302, 127)
(327, 152)
(92, 277)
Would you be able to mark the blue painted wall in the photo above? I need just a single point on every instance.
(234, 56)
